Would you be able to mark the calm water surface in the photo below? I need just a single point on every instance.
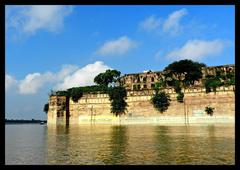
(126, 144)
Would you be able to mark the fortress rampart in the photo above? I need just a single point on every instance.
(95, 108)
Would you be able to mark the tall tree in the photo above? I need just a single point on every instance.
(110, 76)
(186, 72)
(181, 74)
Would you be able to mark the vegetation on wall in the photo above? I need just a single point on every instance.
(209, 110)
(46, 107)
(212, 82)
(180, 97)
(110, 76)
(185, 71)
(161, 101)
(117, 96)
(75, 93)
(182, 74)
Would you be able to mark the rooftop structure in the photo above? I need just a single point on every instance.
(147, 79)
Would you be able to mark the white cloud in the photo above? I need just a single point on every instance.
(29, 19)
(69, 76)
(197, 49)
(65, 71)
(83, 76)
(171, 24)
(119, 46)
(33, 82)
(9, 82)
(150, 23)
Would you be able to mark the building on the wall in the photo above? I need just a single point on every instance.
(147, 80)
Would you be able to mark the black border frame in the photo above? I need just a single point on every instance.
(236, 3)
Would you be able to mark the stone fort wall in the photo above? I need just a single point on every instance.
(93, 107)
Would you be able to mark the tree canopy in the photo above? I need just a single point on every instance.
(161, 101)
(184, 71)
(110, 76)
(46, 107)
(220, 79)
(117, 96)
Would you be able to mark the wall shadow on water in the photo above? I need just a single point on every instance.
(174, 145)
(163, 145)
(118, 145)
(58, 144)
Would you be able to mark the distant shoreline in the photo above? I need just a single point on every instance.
(25, 121)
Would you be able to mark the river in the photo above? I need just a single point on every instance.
(34, 144)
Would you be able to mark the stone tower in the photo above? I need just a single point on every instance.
(58, 112)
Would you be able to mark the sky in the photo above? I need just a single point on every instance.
(52, 47)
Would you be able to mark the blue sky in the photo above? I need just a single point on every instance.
(57, 47)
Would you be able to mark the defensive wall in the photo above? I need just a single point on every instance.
(95, 108)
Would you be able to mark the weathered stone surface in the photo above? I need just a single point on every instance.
(139, 105)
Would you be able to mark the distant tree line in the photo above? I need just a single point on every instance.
(24, 121)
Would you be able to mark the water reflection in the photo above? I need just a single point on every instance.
(163, 143)
(106, 144)
(118, 145)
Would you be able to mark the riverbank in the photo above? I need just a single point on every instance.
(158, 120)
(24, 121)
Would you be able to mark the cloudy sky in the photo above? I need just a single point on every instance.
(58, 47)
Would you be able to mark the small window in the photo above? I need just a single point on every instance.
(139, 87)
(144, 86)
(152, 79)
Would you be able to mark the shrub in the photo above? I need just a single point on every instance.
(76, 93)
(180, 97)
(161, 101)
(46, 107)
(117, 96)
(211, 83)
(209, 110)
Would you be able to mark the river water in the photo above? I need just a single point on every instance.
(125, 144)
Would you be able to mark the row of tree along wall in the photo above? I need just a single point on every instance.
(95, 108)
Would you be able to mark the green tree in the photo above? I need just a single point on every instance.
(180, 97)
(110, 76)
(161, 101)
(160, 85)
(212, 82)
(117, 96)
(46, 107)
(185, 71)
(229, 79)
(182, 74)
(75, 93)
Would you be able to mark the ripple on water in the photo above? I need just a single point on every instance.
(130, 144)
